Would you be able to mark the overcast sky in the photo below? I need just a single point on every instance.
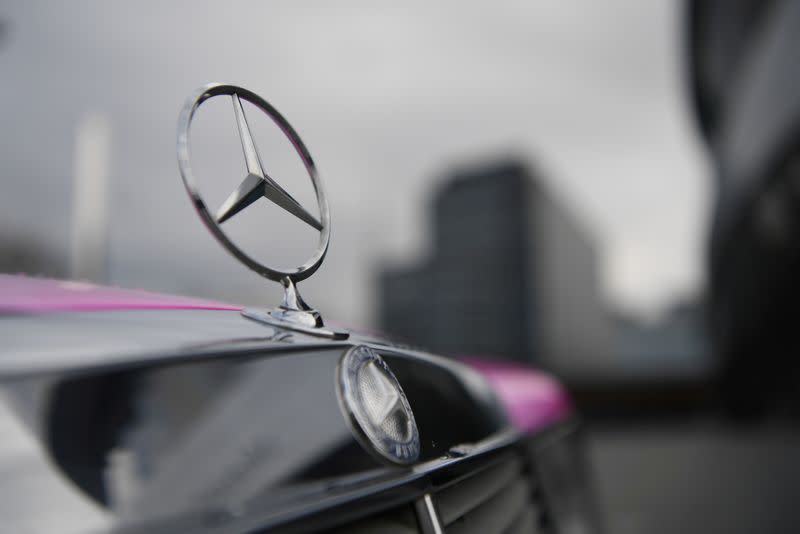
(387, 97)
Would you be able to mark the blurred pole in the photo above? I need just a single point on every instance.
(88, 250)
(3, 31)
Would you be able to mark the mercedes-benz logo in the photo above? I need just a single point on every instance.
(293, 312)
(256, 184)
(376, 407)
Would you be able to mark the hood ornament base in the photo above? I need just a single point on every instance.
(294, 314)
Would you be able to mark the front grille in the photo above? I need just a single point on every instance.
(497, 499)
(498, 496)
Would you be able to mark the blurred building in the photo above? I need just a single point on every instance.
(511, 275)
(673, 348)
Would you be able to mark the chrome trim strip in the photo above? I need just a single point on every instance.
(427, 516)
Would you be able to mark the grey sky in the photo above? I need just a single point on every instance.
(387, 96)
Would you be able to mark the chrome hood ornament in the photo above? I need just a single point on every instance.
(293, 312)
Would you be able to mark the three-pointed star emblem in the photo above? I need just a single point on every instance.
(387, 399)
(258, 184)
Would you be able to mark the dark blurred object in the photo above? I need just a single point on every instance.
(511, 275)
(662, 369)
(21, 254)
(3, 31)
(746, 90)
(671, 348)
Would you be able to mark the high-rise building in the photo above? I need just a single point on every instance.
(511, 275)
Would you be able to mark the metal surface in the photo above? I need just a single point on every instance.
(272, 405)
(261, 450)
(83, 341)
(256, 184)
(375, 406)
(293, 313)
(429, 522)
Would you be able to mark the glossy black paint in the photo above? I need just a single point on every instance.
(207, 420)
(451, 404)
(186, 421)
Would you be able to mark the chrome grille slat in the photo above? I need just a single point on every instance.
(496, 494)
(462, 497)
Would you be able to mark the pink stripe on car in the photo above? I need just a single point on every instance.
(24, 294)
(532, 399)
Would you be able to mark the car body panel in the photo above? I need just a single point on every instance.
(532, 399)
(55, 340)
(160, 413)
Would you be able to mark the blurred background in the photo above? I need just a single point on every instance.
(529, 180)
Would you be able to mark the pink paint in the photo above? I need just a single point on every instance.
(532, 399)
(23, 294)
